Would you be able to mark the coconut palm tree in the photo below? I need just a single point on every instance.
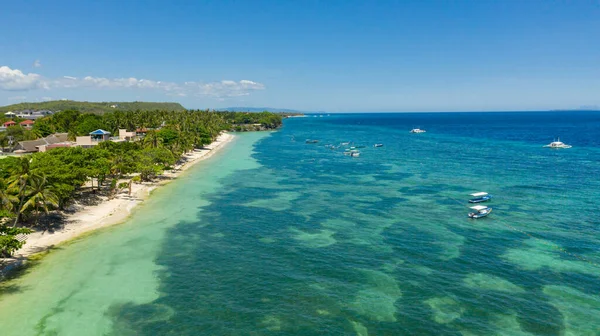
(39, 196)
(6, 199)
(18, 183)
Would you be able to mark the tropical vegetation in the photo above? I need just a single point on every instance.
(92, 107)
(35, 184)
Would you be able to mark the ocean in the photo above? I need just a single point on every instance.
(274, 236)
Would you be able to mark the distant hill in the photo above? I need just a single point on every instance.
(258, 109)
(93, 107)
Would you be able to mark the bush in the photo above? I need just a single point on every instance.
(8, 239)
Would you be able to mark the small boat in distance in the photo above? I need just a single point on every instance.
(309, 141)
(417, 130)
(378, 145)
(557, 144)
(352, 152)
(480, 197)
(480, 211)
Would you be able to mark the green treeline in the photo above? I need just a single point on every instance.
(34, 184)
(92, 107)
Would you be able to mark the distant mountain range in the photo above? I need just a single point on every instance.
(258, 109)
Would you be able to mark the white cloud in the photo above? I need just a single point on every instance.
(37, 64)
(15, 80)
(46, 98)
(229, 88)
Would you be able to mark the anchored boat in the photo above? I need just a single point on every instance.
(480, 197)
(378, 145)
(352, 152)
(310, 141)
(557, 144)
(479, 211)
(417, 130)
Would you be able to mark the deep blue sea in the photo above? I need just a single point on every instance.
(289, 238)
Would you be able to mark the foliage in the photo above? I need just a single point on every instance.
(16, 134)
(92, 107)
(38, 183)
(8, 239)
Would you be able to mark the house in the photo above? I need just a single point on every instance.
(85, 142)
(40, 145)
(28, 124)
(9, 123)
(10, 114)
(93, 139)
(100, 135)
(141, 132)
(32, 115)
(44, 148)
(126, 136)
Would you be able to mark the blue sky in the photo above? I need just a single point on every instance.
(308, 55)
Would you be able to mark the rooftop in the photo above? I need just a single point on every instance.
(99, 132)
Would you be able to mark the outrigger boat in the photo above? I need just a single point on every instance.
(352, 152)
(480, 197)
(480, 211)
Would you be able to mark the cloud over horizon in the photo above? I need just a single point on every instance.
(16, 80)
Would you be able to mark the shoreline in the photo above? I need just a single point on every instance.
(88, 218)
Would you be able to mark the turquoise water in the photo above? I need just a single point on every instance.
(278, 237)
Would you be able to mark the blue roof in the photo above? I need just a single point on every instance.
(99, 132)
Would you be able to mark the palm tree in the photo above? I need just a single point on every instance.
(6, 199)
(151, 140)
(40, 196)
(18, 183)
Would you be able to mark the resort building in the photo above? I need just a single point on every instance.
(41, 145)
(126, 136)
(100, 135)
(10, 114)
(93, 139)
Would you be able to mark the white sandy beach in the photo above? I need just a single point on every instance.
(114, 211)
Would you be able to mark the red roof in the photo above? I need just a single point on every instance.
(9, 123)
(26, 122)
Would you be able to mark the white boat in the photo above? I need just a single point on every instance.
(480, 197)
(557, 144)
(378, 145)
(352, 152)
(417, 130)
(480, 211)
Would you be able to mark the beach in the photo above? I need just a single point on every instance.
(113, 211)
